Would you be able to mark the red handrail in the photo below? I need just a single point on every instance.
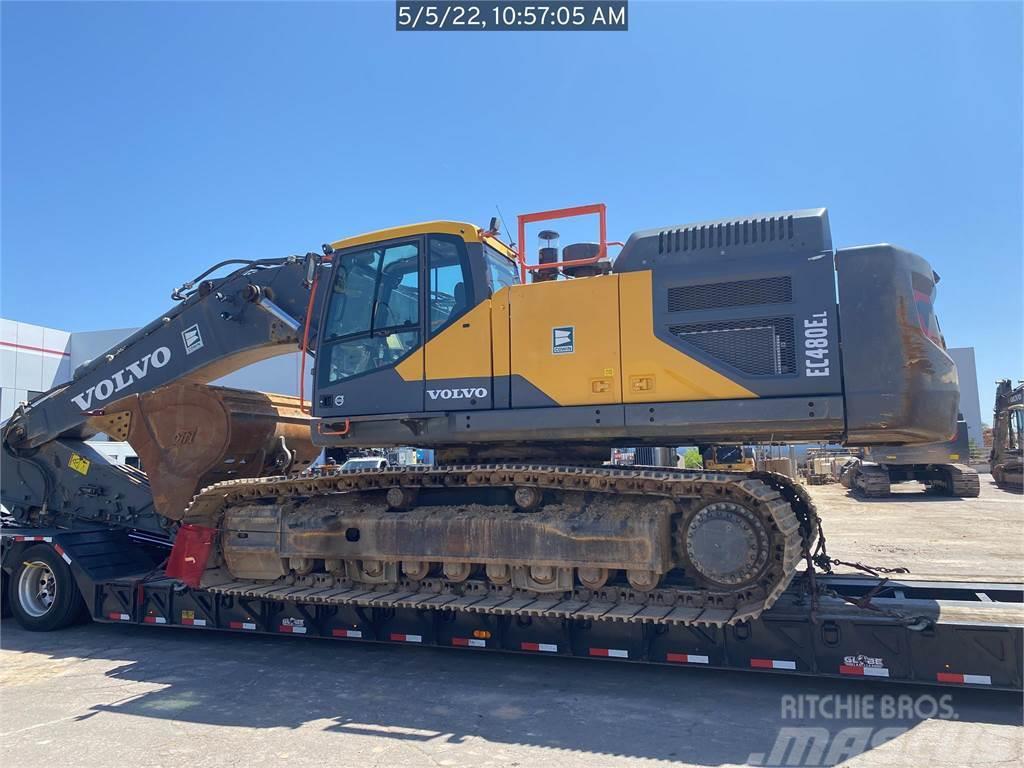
(564, 213)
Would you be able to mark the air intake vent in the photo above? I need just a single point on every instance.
(738, 293)
(762, 347)
(726, 234)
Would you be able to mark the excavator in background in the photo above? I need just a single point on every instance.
(431, 335)
(1005, 458)
(727, 458)
(941, 467)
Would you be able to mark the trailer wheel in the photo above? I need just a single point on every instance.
(43, 593)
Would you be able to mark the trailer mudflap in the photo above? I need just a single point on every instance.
(191, 553)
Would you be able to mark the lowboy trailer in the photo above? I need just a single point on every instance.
(928, 632)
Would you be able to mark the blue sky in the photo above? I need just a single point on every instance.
(143, 142)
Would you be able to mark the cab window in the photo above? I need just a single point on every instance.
(373, 316)
(450, 282)
(501, 272)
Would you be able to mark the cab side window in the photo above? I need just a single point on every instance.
(501, 272)
(450, 283)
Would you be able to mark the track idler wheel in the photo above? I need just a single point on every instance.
(725, 545)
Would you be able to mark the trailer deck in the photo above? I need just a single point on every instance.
(931, 632)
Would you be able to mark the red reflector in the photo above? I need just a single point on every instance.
(190, 553)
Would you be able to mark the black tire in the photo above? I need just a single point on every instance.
(64, 605)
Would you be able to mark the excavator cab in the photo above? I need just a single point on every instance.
(408, 306)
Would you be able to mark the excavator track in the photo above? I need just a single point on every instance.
(773, 503)
(874, 481)
(870, 481)
(964, 481)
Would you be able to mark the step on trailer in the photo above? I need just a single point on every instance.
(938, 633)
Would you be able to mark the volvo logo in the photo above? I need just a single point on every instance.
(457, 394)
(125, 377)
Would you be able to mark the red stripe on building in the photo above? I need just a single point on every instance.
(35, 349)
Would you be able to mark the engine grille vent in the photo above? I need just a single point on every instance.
(738, 293)
(760, 347)
(725, 234)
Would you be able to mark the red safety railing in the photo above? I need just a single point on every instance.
(564, 213)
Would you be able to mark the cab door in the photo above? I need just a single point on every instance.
(458, 369)
(370, 348)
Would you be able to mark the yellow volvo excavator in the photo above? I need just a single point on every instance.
(520, 376)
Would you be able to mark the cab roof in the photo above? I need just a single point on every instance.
(470, 233)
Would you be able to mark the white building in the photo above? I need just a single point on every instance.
(970, 405)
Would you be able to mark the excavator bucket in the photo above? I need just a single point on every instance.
(189, 436)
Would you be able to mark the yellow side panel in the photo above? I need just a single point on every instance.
(653, 371)
(500, 332)
(462, 350)
(589, 375)
(411, 369)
